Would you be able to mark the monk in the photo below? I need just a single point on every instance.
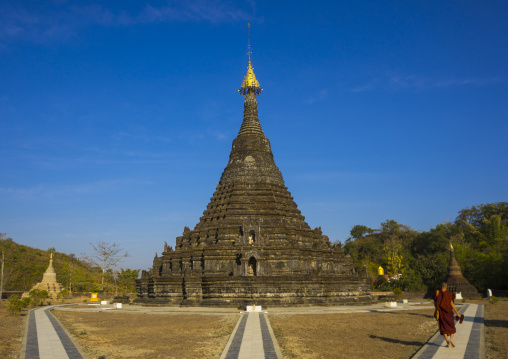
(443, 302)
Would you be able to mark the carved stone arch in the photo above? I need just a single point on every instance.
(253, 265)
(251, 233)
(252, 236)
(252, 253)
(252, 262)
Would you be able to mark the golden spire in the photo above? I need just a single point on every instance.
(250, 81)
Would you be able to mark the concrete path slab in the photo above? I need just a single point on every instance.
(46, 338)
(252, 338)
(469, 339)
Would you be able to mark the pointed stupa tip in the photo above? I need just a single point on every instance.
(250, 82)
(50, 266)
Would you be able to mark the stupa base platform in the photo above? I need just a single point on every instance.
(227, 291)
(467, 291)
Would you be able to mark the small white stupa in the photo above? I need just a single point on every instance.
(49, 282)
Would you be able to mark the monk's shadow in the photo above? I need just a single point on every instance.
(397, 341)
(492, 323)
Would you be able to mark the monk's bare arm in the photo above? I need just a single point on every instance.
(454, 308)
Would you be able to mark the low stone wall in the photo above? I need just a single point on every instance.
(389, 296)
(383, 296)
(267, 291)
(416, 295)
(7, 294)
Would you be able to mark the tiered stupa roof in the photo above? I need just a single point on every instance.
(457, 283)
(251, 191)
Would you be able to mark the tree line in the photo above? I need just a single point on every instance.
(479, 236)
(419, 259)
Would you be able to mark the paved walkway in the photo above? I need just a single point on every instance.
(469, 339)
(46, 339)
(253, 336)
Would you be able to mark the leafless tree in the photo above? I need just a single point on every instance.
(105, 255)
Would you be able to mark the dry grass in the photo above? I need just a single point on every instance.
(496, 330)
(349, 335)
(11, 332)
(396, 334)
(136, 335)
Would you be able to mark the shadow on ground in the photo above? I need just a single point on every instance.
(396, 341)
(496, 323)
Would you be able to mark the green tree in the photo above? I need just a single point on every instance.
(483, 254)
(397, 240)
(130, 274)
(432, 268)
(127, 279)
(63, 294)
(359, 231)
(436, 240)
(476, 214)
(37, 296)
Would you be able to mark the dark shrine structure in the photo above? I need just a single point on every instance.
(252, 245)
(456, 281)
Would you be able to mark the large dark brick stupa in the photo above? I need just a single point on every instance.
(252, 245)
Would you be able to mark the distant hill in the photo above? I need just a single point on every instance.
(25, 266)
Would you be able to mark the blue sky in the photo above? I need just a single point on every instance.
(116, 118)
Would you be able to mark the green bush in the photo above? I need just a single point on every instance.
(26, 301)
(398, 294)
(63, 294)
(37, 296)
(16, 305)
(493, 300)
(381, 284)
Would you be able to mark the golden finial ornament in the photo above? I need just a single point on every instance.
(250, 82)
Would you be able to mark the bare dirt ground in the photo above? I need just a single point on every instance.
(361, 335)
(496, 330)
(353, 335)
(108, 335)
(11, 332)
